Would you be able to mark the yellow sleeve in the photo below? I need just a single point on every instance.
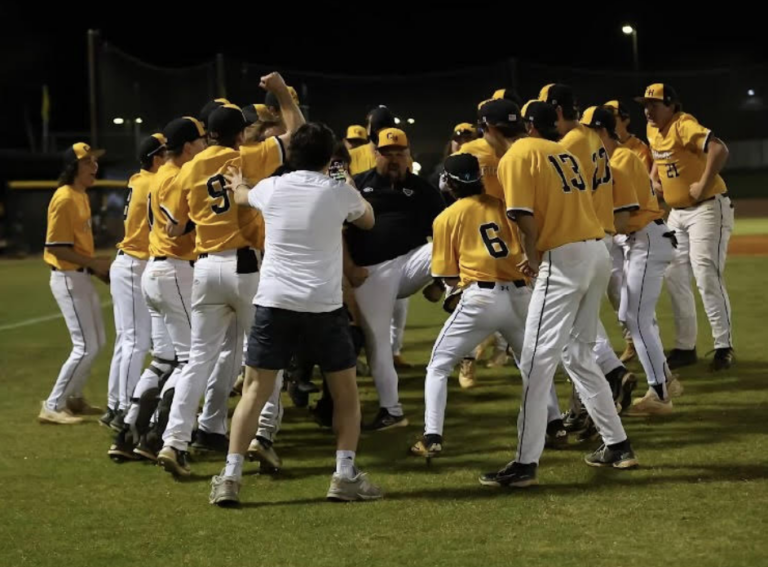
(61, 226)
(519, 187)
(173, 201)
(445, 260)
(624, 194)
(693, 135)
(261, 160)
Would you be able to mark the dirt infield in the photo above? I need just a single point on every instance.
(749, 245)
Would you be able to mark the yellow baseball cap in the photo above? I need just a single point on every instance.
(81, 150)
(392, 138)
(659, 92)
(357, 132)
(464, 129)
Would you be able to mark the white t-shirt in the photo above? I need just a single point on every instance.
(304, 212)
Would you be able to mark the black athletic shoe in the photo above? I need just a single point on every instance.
(557, 436)
(108, 416)
(149, 446)
(210, 442)
(429, 446)
(514, 475)
(122, 448)
(384, 420)
(589, 434)
(623, 458)
(118, 422)
(679, 358)
(723, 360)
(574, 422)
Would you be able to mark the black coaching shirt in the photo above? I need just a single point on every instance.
(404, 214)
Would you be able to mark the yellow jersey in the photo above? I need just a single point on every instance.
(489, 165)
(162, 194)
(135, 217)
(629, 169)
(640, 149)
(69, 224)
(362, 159)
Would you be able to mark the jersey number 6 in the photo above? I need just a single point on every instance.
(495, 246)
(217, 191)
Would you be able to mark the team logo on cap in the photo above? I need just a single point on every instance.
(368, 190)
(392, 136)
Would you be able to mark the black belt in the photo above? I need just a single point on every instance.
(203, 255)
(660, 222)
(120, 253)
(712, 198)
(164, 258)
(247, 261)
(492, 285)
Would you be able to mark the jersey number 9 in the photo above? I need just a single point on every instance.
(217, 191)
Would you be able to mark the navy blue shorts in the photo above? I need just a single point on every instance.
(277, 334)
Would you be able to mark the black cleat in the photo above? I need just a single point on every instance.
(384, 421)
(589, 434)
(107, 418)
(574, 422)
(623, 458)
(723, 360)
(149, 446)
(679, 358)
(429, 447)
(118, 422)
(210, 442)
(557, 436)
(514, 475)
(122, 448)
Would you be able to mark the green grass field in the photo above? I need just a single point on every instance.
(699, 499)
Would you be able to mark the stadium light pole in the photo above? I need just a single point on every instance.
(631, 30)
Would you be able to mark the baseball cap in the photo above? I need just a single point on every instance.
(463, 168)
(209, 107)
(508, 94)
(226, 120)
(381, 119)
(151, 145)
(258, 113)
(558, 94)
(271, 98)
(659, 91)
(542, 115)
(357, 132)
(499, 112)
(618, 108)
(392, 138)
(182, 130)
(464, 129)
(599, 117)
(79, 151)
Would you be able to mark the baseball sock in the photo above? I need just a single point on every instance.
(345, 464)
(234, 467)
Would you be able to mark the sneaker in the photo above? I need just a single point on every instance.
(210, 442)
(589, 434)
(118, 422)
(79, 406)
(557, 436)
(353, 489)
(574, 422)
(49, 417)
(679, 358)
(498, 359)
(674, 386)
(627, 385)
(514, 475)
(650, 404)
(174, 461)
(225, 491)
(149, 446)
(467, 378)
(429, 446)
(107, 418)
(629, 353)
(262, 450)
(385, 420)
(616, 458)
(401, 363)
(723, 360)
(123, 447)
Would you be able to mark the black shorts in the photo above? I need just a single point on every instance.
(277, 334)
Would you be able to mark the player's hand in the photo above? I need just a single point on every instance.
(357, 276)
(657, 188)
(697, 190)
(100, 268)
(348, 179)
(234, 177)
(273, 83)
(529, 268)
(433, 292)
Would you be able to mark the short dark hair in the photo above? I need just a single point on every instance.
(357, 143)
(461, 190)
(69, 173)
(311, 147)
(570, 112)
(511, 130)
(149, 161)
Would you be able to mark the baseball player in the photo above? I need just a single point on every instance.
(641, 149)
(70, 254)
(226, 273)
(650, 249)
(474, 250)
(132, 318)
(548, 197)
(688, 159)
(364, 158)
(612, 208)
(396, 255)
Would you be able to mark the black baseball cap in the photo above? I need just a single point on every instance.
(381, 119)
(271, 99)
(207, 110)
(182, 130)
(599, 117)
(463, 168)
(619, 109)
(499, 112)
(558, 94)
(150, 146)
(225, 121)
(542, 116)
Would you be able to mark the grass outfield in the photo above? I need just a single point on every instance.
(699, 498)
